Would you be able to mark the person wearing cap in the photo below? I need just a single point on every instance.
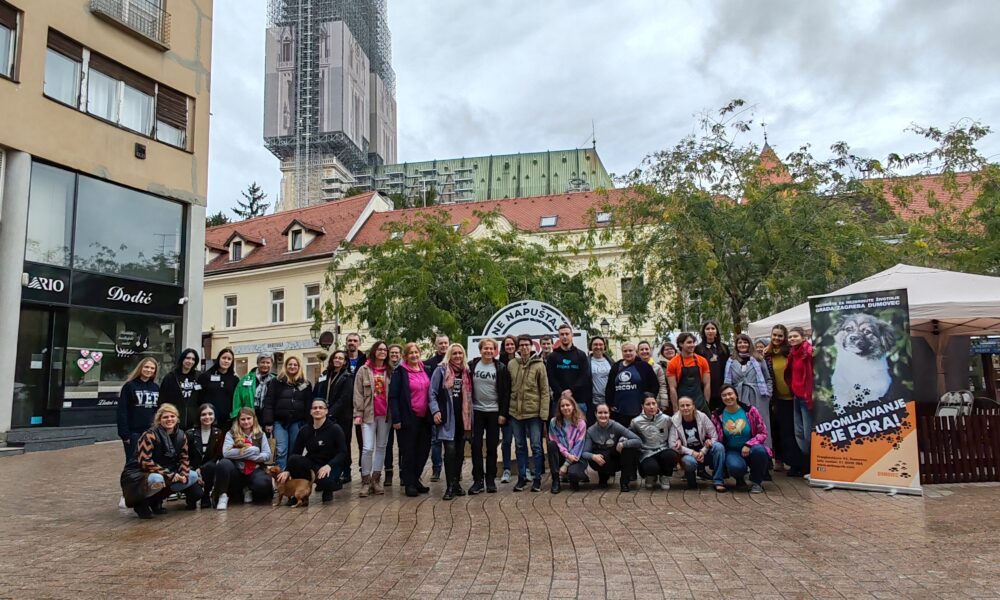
(252, 388)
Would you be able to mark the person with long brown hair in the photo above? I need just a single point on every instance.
(409, 399)
(336, 388)
(137, 404)
(218, 386)
(371, 411)
(786, 449)
(205, 450)
(286, 407)
(567, 430)
(245, 451)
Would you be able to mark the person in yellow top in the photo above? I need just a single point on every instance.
(786, 450)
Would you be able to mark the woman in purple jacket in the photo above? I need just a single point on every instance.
(742, 433)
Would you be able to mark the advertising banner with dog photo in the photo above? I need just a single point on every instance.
(865, 416)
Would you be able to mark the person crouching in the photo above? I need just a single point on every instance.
(325, 448)
(159, 467)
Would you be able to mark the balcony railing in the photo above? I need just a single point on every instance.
(143, 17)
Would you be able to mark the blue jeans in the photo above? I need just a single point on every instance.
(737, 465)
(525, 430)
(508, 436)
(157, 479)
(437, 454)
(803, 428)
(716, 458)
(284, 437)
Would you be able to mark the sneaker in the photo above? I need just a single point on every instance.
(491, 487)
(247, 496)
(505, 478)
(625, 487)
(536, 485)
(793, 472)
(664, 482)
(158, 508)
(411, 491)
(520, 485)
(223, 502)
(436, 475)
(121, 502)
(703, 474)
(448, 494)
(476, 488)
(457, 489)
(651, 482)
(423, 489)
(756, 489)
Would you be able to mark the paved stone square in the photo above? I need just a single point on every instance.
(62, 536)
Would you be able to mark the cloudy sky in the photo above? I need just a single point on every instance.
(512, 76)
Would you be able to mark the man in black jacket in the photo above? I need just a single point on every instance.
(568, 368)
(325, 450)
(490, 411)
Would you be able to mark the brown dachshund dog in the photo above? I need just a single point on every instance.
(292, 488)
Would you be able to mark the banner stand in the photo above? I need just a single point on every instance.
(865, 487)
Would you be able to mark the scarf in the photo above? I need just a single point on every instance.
(449, 382)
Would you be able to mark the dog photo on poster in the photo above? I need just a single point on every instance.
(864, 433)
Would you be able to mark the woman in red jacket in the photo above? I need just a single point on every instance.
(799, 376)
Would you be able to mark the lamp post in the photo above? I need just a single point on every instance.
(314, 332)
(605, 327)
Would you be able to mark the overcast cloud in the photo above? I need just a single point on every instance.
(509, 76)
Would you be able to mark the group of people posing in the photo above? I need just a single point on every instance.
(714, 412)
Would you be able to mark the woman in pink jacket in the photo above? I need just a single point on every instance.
(799, 377)
(742, 433)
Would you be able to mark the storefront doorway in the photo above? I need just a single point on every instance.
(41, 347)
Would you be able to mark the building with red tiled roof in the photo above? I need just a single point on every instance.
(918, 196)
(261, 288)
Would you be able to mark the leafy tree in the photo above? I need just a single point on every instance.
(253, 204)
(218, 218)
(428, 278)
(418, 199)
(354, 191)
(719, 228)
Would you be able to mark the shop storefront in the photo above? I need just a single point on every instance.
(101, 289)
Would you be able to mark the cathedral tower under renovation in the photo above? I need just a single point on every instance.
(329, 94)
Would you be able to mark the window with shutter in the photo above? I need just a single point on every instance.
(171, 116)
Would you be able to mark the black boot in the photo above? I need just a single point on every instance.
(456, 488)
(692, 481)
(556, 487)
(142, 510)
(449, 493)
(157, 507)
(388, 477)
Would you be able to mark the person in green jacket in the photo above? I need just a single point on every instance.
(252, 389)
(529, 410)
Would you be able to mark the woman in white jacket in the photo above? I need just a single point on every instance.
(695, 438)
(244, 453)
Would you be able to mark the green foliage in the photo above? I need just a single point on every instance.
(418, 199)
(428, 278)
(720, 229)
(218, 218)
(354, 191)
(253, 204)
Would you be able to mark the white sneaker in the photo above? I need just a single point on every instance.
(223, 502)
(247, 496)
(121, 502)
(505, 478)
(664, 482)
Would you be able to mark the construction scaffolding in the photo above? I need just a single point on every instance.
(308, 146)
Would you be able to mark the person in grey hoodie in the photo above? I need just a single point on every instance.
(610, 447)
(694, 436)
(656, 458)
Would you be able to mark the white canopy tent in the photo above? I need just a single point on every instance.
(943, 304)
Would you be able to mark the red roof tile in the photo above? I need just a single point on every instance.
(335, 218)
(922, 190)
(572, 212)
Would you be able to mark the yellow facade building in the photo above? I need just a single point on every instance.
(104, 120)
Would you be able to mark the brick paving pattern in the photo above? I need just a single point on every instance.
(62, 536)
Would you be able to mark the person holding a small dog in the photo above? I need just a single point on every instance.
(245, 451)
(319, 453)
(160, 467)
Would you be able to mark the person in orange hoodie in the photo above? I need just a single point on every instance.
(799, 377)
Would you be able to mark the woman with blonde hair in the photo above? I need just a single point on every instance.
(137, 404)
(409, 389)
(160, 466)
(244, 453)
(451, 409)
(286, 407)
(371, 411)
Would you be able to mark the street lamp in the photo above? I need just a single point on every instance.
(605, 327)
(314, 332)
